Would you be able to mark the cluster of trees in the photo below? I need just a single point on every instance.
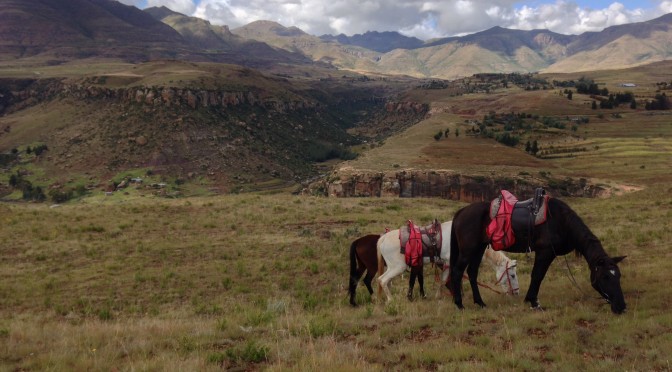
(532, 148)
(38, 150)
(30, 192)
(321, 152)
(615, 100)
(661, 102)
(445, 133)
(36, 193)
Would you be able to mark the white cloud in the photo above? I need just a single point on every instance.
(421, 18)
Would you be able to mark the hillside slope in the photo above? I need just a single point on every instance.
(228, 125)
(75, 29)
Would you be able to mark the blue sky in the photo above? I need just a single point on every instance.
(424, 19)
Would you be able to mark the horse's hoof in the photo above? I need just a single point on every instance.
(460, 306)
(481, 304)
(536, 307)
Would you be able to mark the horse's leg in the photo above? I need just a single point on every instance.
(411, 283)
(542, 261)
(472, 271)
(455, 280)
(390, 273)
(421, 281)
(354, 279)
(367, 280)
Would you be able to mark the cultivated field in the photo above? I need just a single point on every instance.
(134, 281)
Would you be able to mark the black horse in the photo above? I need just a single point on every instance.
(563, 232)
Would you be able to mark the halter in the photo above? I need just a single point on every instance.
(596, 285)
(508, 279)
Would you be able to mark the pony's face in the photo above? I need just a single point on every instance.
(606, 279)
(507, 278)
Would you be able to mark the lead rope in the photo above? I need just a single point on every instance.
(569, 270)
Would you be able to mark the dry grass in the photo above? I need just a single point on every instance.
(257, 281)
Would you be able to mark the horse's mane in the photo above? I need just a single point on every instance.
(496, 258)
(580, 237)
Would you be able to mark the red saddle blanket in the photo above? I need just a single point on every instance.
(500, 231)
(413, 248)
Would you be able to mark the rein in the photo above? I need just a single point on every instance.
(437, 278)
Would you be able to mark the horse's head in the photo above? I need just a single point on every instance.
(606, 279)
(507, 277)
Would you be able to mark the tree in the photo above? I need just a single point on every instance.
(446, 132)
(535, 148)
(457, 132)
(528, 146)
(633, 104)
(438, 135)
(594, 107)
(569, 95)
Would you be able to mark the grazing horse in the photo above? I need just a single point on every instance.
(363, 258)
(562, 232)
(389, 244)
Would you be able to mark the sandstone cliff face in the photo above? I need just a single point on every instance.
(16, 94)
(441, 184)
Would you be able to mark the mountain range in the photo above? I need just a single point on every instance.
(61, 30)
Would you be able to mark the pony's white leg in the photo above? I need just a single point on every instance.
(390, 273)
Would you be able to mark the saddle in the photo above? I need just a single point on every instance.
(513, 220)
(416, 242)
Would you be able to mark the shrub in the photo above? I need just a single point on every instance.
(60, 196)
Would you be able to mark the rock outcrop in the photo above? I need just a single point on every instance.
(442, 184)
(16, 94)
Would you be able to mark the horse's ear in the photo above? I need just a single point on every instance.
(618, 259)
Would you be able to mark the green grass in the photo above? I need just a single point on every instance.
(259, 282)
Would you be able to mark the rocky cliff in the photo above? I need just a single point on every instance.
(442, 184)
(16, 94)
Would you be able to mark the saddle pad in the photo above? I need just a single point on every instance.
(413, 247)
(423, 237)
(499, 230)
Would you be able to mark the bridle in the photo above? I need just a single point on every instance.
(596, 284)
(508, 279)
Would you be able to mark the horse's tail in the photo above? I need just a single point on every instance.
(353, 268)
